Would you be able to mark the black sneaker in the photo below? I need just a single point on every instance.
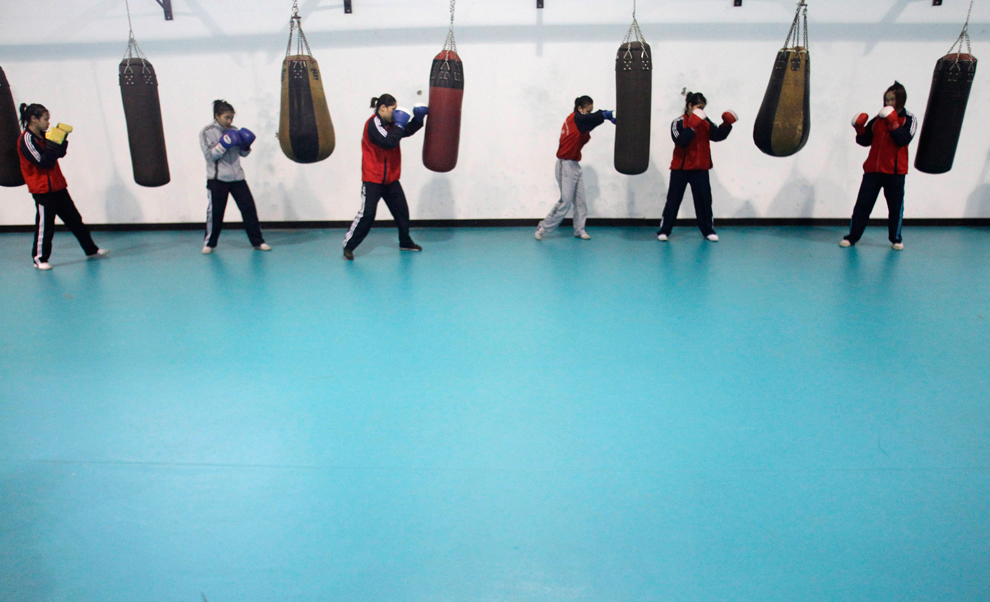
(348, 254)
(410, 247)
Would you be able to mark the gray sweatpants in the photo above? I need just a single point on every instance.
(571, 193)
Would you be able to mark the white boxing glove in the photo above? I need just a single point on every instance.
(884, 112)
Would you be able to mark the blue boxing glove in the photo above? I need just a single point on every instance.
(420, 111)
(401, 117)
(230, 138)
(610, 115)
(247, 138)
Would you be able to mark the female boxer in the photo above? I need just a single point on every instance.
(692, 133)
(39, 156)
(381, 166)
(888, 135)
(223, 146)
(573, 136)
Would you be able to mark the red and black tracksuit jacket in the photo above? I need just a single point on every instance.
(692, 135)
(39, 163)
(381, 157)
(888, 140)
(576, 132)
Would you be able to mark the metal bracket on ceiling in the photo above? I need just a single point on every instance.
(347, 7)
(167, 7)
(936, 2)
(736, 2)
(539, 3)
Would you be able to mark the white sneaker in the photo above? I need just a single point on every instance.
(99, 253)
(264, 247)
(207, 250)
(539, 234)
(662, 237)
(712, 237)
(42, 265)
(845, 243)
(898, 246)
(583, 236)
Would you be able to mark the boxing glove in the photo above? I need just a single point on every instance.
(247, 138)
(730, 117)
(401, 117)
(58, 133)
(696, 118)
(230, 138)
(859, 121)
(610, 115)
(420, 111)
(889, 115)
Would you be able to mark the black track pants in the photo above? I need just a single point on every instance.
(49, 205)
(394, 198)
(893, 190)
(701, 190)
(217, 192)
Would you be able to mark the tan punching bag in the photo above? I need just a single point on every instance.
(783, 124)
(305, 130)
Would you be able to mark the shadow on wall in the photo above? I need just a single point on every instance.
(978, 204)
(646, 193)
(122, 206)
(795, 199)
(438, 196)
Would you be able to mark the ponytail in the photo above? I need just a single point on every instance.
(385, 100)
(582, 101)
(222, 106)
(29, 111)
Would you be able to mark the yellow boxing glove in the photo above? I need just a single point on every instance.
(58, 133)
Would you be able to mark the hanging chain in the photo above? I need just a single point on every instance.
(964, 36)
(795, 31)
(133, 50)
(635, 30)
(449, 44)
(295, 22)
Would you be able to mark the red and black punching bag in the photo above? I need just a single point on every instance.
(143, 113)
(633, 100)
(783, 123)
(947, 101)
(10, 130)
(443, 124)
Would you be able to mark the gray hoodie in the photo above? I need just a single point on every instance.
(222, 164)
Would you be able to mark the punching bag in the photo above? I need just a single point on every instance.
(633, 99)
(783, 123)
(443, 124)
(143, 114)
(305, 130)
(947, 100)
(10, 130)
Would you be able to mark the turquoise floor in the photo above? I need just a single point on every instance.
(769, 418)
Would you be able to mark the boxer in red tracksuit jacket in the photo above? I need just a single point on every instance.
(39, 165)
(692, 133)
(888, 135)
(381, 166)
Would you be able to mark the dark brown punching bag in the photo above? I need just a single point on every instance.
(143, 113)
(783, 123)
(305, 130)
(443, 123)
(10, 130)
(947, 101)
(633, 100)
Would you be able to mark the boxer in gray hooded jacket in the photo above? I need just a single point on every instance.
(223, 146)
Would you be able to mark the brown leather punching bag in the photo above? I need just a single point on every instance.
(783, 123)
(947, 101)
(143, 114)
(633, 101)
(443, 123)
(305, 130)
(10, 130)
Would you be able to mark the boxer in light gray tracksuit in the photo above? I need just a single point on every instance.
(223, 146)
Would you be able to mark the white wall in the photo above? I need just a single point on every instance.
(523, 69)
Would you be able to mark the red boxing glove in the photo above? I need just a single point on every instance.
(696, 118)
(730, 117)
(889, 115)
(859, 122)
